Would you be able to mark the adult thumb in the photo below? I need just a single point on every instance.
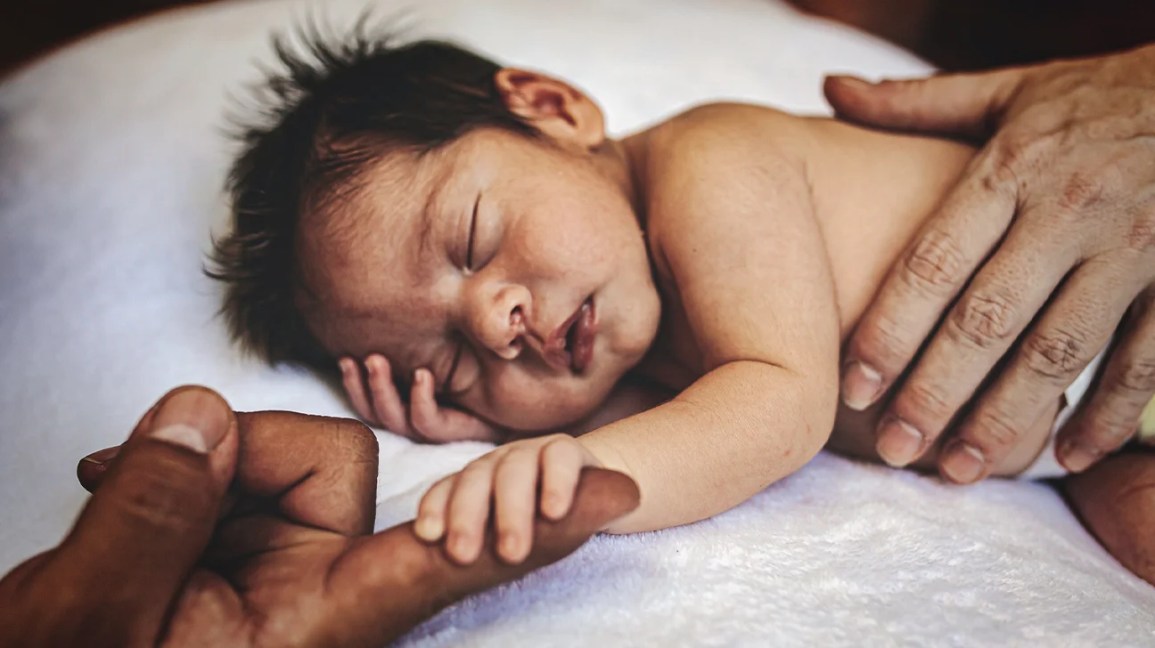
(969, 105)
(154, 512)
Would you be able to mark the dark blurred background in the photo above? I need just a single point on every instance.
(954, 35)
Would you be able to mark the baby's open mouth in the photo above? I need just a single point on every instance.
(572, 345)
(579, 339)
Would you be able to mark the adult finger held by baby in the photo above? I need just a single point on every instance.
(365, 583)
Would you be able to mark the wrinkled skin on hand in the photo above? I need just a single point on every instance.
(262, 540)
(1042, 255)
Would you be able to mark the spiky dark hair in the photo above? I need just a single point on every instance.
(333, 107)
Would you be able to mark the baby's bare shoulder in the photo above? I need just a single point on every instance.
(721, 130)
(720, 157)
(712, 148)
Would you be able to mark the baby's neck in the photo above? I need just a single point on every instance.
(624, 162)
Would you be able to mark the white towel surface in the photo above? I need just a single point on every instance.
(111, 164)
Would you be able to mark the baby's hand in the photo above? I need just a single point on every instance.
(424, 420)
(510, 476)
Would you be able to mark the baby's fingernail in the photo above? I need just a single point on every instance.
(461, 548)
(509, 547)
(962, 463)
(193, 418)
(550, 506)
(429, 528)
(899, 442)
(1077, 457)
(861, 385)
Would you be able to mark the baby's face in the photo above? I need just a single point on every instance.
(515, 271)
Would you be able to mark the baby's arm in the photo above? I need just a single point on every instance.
(736, 230)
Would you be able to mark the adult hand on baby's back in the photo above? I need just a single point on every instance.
(1045, 245)
(212, 528)
(377, 400)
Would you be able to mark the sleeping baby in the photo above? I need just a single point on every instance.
(481, 261)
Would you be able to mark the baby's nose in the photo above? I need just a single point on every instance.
(511, 340)
(503, 326)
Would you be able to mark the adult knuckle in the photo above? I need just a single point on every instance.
(984, 320)
(1056, 354)
(160, 499)
(354, 437)
(994, 429)
(1006, 162)
(926, 399)
(1141, 236)
(883, 342)
(935, 263)
(1082, 191)
(1108, 427)
(1137, 376)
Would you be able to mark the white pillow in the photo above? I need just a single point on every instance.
(112, 159)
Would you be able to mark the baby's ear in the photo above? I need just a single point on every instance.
(553, 106)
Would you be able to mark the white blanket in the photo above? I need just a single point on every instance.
(111, 164)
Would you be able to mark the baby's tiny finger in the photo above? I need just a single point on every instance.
(355, 389)
(469, 510)
(386, 399)
(561, 465)
(425, 415)
(514, 491)
(430, 523)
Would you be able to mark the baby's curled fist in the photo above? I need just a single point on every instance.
(457, 507)
(377, 400)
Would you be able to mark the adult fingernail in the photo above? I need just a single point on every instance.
(861, 385)
(854, 82)
(962, 463)
(101, 457)
(899, 442)
(193, 418)
(1077, 457)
